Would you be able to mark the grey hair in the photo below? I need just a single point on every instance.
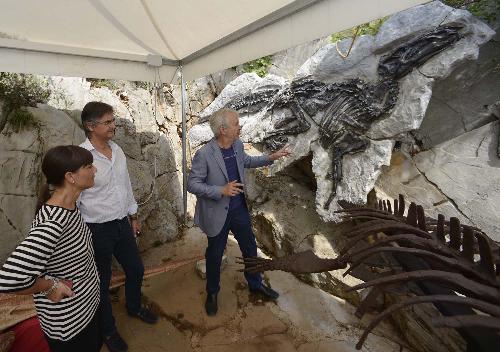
(219, 119)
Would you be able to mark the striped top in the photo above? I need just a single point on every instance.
(59, 244)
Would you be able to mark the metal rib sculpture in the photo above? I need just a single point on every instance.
(457, 257)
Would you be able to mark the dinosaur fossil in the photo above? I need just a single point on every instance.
(343, 111)
(458, 258)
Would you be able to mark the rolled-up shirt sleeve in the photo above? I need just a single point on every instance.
(29, 259)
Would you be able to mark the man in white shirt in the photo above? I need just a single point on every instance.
(110, 211)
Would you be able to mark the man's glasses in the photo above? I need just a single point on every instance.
(105, 123)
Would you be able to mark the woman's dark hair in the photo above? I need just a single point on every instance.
(56, 162)
(93, 111)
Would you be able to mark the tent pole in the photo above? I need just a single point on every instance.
(184, 144)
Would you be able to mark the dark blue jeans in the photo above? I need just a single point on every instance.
(238, 222)
(116, 238)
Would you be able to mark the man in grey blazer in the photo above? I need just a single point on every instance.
(217, 178)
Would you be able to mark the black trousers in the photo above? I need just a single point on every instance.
(115, 238)
(87, 340)
(238, 222)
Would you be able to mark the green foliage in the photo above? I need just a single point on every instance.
(102, 83)
(143, 85)
(21, 118)
(488, 10)
(18, 91)
(259, 66)
(370, 28)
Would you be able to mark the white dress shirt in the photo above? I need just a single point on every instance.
(111, 198)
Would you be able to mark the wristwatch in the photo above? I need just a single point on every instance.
(133, 216)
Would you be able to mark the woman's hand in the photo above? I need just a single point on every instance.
(61, 291)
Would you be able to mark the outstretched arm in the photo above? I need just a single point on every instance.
(264, 160)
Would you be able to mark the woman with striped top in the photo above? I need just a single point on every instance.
(55, 262)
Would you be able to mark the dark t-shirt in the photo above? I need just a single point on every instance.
(233, 174)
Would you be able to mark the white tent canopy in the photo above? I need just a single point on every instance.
(116, 39)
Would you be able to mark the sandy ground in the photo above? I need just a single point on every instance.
(303, 319)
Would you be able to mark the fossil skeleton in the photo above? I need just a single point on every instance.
(343, 111)
(457, 258)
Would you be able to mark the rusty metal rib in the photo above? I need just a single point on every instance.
(471, 302)
(458, 281)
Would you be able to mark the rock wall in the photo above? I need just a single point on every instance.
(148, 136)
(20, 163)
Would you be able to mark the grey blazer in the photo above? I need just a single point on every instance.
(207, 178)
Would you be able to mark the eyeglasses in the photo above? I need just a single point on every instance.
(105, 123)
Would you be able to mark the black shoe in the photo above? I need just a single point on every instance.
(265, 291)
(115, 343)
(211, 304)
(145, 315)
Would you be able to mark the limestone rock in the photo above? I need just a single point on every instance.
(360, 171)
(308, 308)
(128, 139)
(169, 105)
(328, 66)
(416, 20)
(239, 86)
(286, 63)
(72, 93)
(252, 124)
(466, 170)
(161, 153)
(457, 178)
(140, 178)
(460, 102)
(200, 134)
(167, 187)
(222, 78)
(416, 88)
(403, 177)
(56, 127)
(20, 177)
(285, 221)
(16, 215)
(22, 150)
(414, 94)
(20, 157)
(201, 93)
(162, 223)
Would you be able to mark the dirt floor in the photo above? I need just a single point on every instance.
(303, 319)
